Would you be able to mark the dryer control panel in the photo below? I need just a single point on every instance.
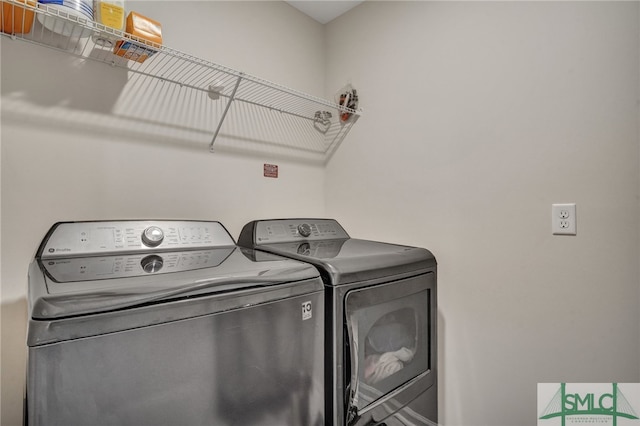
(288, 230)
(73, 239)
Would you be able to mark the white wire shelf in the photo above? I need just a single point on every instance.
(270, 113)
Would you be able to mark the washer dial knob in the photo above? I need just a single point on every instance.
(152, 236)
(151, 264)
(304, 229)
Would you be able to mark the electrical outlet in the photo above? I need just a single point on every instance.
(563, 219)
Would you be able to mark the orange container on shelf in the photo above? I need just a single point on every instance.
(16, 19)
(143, 28)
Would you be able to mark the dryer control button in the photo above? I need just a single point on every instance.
(152, 236)
(304, 229)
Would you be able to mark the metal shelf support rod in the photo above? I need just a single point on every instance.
(226, 110)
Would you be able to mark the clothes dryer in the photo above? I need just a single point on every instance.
(169, 323)
(381, 309)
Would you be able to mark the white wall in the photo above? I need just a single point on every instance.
(54, 169)
(479, 116)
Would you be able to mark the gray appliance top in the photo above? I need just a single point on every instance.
(87, 268)
(326, 245)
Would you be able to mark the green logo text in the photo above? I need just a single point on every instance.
(564, 404)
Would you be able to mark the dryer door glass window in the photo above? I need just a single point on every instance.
(389, 328)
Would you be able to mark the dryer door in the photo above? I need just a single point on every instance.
(391, 328)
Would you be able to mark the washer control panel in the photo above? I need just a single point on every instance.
(71, 239)
(287, 230)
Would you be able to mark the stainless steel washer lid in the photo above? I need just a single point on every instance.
(325, 244)
(63, 283)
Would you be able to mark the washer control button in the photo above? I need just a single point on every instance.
(152, 236)
(151, 264)
(304, 229)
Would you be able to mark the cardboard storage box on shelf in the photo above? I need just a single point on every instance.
(16, 19)
(145, 29)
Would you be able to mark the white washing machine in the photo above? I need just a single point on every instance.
(381, 310)
(169, 323)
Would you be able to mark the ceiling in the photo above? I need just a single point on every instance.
(324, 11)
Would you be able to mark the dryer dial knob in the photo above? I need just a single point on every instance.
(152, 236)
(304, 229)
(151, 264)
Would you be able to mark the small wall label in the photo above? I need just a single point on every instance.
(271, 170)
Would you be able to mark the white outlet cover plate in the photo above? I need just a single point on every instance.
(563, 219)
